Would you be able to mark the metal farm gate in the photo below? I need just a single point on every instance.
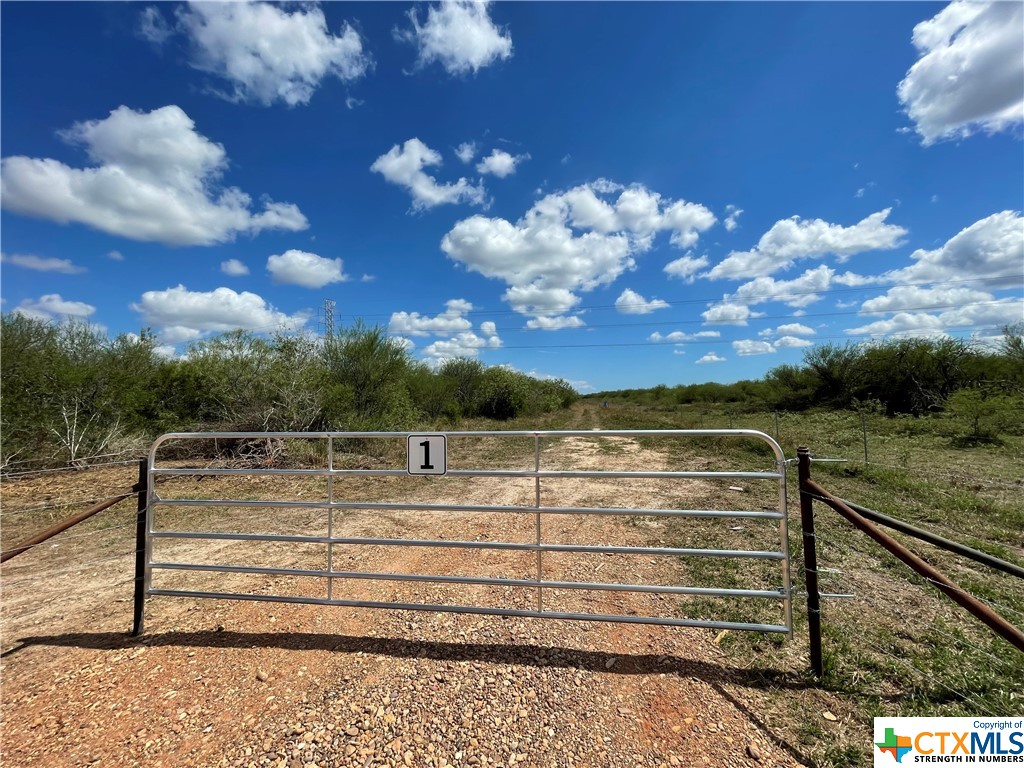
(428, 454)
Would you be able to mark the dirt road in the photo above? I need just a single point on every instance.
(216, 683)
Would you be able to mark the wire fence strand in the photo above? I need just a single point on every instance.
(936, 528)
(991, 603)
(929, 678)
(60, 505)
(925, 628)
(11, 475)
(60, 538)
(951, 476)
(49, 574)
(79, 459)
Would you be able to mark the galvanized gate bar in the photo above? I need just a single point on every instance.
(473, 508)
(597, 473)
(331, 473)
(441, 543)
(480, 580)
(531, 433)
(615, 618)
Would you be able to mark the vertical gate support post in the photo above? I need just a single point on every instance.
(810, 560)
(140, 548)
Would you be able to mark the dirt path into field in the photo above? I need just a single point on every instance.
(218, 683)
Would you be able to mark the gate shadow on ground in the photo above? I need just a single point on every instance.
(397, 647)
(716, 675)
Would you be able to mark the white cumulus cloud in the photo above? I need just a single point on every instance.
(732, 215)
(710, 357)
(571, 242)
(729, 314)
(465, 344)
(992, 248)
(795, 329)
(183, 315)
(154, 178)
(791, 341)
(632, 303)
(790, 240)
(459, 35)
(991, 316)
(686, 267)
(970, 72)
(989, 254)
(555, 323)
(747, 347)
(917, 297)
(267, 53)
(500, 163)
(404, 166)
(51, 306)
(681, 337)
(306, 269)
(234, 268)
(798, 292)
(42, 263)
(450, 321)
(466, 151)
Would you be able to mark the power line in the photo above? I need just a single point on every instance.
(649, 323)
(665, 343)
(745, 299)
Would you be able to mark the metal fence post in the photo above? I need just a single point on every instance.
(140, 548)
(810, 561)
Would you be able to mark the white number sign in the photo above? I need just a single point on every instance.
(428, 454)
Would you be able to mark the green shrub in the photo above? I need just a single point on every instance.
(68, 392)
(503, 394)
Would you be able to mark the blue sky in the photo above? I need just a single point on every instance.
(619, 195)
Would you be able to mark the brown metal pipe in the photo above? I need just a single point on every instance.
(64, 524)
(972, 605)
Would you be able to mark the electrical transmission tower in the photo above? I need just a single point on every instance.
(327, 321)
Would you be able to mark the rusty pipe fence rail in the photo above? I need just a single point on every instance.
(329, 506)
(810, 491)
(62, 525)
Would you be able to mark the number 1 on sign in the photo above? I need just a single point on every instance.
(427, 455)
